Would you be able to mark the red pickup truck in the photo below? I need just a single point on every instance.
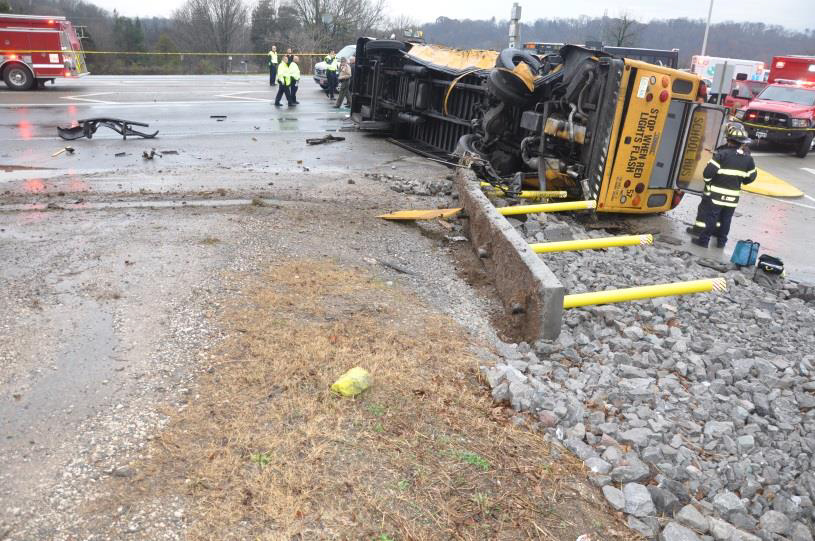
(784, 112)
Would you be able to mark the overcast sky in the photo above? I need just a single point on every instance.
(797, 14)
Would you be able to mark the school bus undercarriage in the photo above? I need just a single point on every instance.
(630, 135)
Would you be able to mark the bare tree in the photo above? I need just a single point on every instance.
(212, 25)
(397, 25)
(333, 23)
(622, 31)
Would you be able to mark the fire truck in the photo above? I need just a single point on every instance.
(35, 49)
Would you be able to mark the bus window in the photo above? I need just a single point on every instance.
(700, 143)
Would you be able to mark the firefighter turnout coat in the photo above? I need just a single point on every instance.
(725, 173)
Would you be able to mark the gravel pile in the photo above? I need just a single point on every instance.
(695, 414)
(434, 185)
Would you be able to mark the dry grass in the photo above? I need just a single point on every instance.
(266, 451)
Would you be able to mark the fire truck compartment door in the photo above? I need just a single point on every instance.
(14, 40)
(700, 142)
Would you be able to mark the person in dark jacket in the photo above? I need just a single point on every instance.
(724, 175)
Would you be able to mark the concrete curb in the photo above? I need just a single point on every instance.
(525, 284)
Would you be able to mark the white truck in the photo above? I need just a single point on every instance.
(705, 67)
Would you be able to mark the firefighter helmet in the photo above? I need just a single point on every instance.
(736, 133)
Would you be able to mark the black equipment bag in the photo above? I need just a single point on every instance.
(770, 264)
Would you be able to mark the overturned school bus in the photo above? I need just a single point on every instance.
(629, 135)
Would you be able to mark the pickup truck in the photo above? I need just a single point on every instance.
(783, 113)
(741, 93)
(319, 68)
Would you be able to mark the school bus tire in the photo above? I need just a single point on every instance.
(507, 60)
(805, 145)
(18, 76)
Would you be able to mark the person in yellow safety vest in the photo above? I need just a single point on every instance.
(294, 72)
(724, 175)
(284, 80)
(273, 66)
(331, 74)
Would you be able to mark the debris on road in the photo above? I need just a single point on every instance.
(217, 116)
(352, 382)
(168, 152)
(415, 186)
(390, 264)
(69, 150)
(150, 155)
(87, 127)
(410, 215)
(120, 154)
(328, 138)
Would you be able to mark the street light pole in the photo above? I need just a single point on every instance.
(707, 28)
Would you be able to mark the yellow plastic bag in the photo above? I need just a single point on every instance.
(352, 382)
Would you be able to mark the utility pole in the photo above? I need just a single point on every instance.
(707, 28)
(515, 26)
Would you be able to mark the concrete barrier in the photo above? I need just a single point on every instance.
(526, 286)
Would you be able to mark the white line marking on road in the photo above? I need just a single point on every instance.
(786, 202)
(235, 96)
(809, 197)
(85, 97)
(808, 170)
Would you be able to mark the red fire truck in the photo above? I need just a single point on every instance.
(35, 49)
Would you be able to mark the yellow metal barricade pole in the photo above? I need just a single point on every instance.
(591, 244)
(546, 207)
(645, 292)
(528, 194)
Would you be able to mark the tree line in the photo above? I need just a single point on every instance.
(236, 26)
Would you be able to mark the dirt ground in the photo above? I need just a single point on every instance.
(264, 450)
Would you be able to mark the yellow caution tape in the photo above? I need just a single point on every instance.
(156, 53)
(420, 214)
(769, 184)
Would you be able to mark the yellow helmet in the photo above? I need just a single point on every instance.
(735, 132)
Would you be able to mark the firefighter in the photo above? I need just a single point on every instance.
(294, 72)
(331, 74)
(699, 223)
(730, 167)
(284, 80)
(273, 66)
